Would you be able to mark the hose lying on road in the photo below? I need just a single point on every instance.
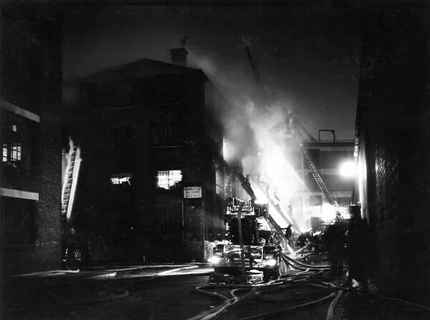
(206, 315)
(303, 264)
(407, 302)
(333, 305)
(42, 273)
(260, 288)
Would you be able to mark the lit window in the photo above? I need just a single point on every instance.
(16, 152)
(120, 178)
(5, 152)
(168, 179)
(11, 153)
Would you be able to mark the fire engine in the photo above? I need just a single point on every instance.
(251, 244)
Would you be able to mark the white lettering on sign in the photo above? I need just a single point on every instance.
(192, 192)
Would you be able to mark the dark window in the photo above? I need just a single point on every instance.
(122, 139)
(18, 221)
(166, 127)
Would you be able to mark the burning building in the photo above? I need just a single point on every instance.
(331, 157)
(148, 181)
(30, 137)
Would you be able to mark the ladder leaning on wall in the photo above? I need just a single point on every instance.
(70, 181)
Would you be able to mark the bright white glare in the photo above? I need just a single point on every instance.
(270, 262)
(328, 212)
(120, 178)
(214, 260)
(348, 169)
(168, 179)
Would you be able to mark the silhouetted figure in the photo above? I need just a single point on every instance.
(358, 248)
(304, 238)
(77, 250)
(317, 241)
(335, 238)
(289, 233)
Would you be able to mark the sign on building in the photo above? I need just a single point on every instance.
(192, 192)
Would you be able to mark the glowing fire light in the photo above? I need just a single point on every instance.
(348, 169)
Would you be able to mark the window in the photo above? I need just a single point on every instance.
(169, 179)
(12, 145)
(122, 139)
(165, 135)
(120, 178)
(11, 153)
(166, 129)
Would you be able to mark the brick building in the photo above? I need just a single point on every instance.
(148, 179)
(393, 145)
(30, 100)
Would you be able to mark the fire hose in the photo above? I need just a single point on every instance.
(260, 288)
(304, 264)
(228, 302)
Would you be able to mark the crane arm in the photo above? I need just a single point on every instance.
(257, 77)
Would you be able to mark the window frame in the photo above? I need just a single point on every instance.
(120, 178)
(12, 146)
(167, 185)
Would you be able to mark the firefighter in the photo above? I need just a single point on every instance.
(289, 233)
(358, 249)
(335, 239)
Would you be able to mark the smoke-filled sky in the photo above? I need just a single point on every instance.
(307, 55)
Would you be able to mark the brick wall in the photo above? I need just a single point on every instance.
(155, 212)
(38, 38)
(194, 230)
(394, 146)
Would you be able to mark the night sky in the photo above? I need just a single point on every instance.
(307, 55)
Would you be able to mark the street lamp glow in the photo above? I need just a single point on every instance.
(348, 169)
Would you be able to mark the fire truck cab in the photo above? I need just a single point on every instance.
(260, 250)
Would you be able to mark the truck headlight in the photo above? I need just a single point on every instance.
(214, 260)
(270, 262)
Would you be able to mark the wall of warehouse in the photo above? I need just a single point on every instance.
(393, 114)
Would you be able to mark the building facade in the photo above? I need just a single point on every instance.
(148, 182)
(393, 145)
(310, 207)
(30, 101)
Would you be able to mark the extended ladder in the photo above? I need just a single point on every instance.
(292, 122)
(311, 164)
(247, 187)
(70, 181)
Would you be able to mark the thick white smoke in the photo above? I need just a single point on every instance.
(257, 136)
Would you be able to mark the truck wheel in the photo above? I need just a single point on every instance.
(267, 275)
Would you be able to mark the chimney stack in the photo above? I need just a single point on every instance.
(179, 56)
